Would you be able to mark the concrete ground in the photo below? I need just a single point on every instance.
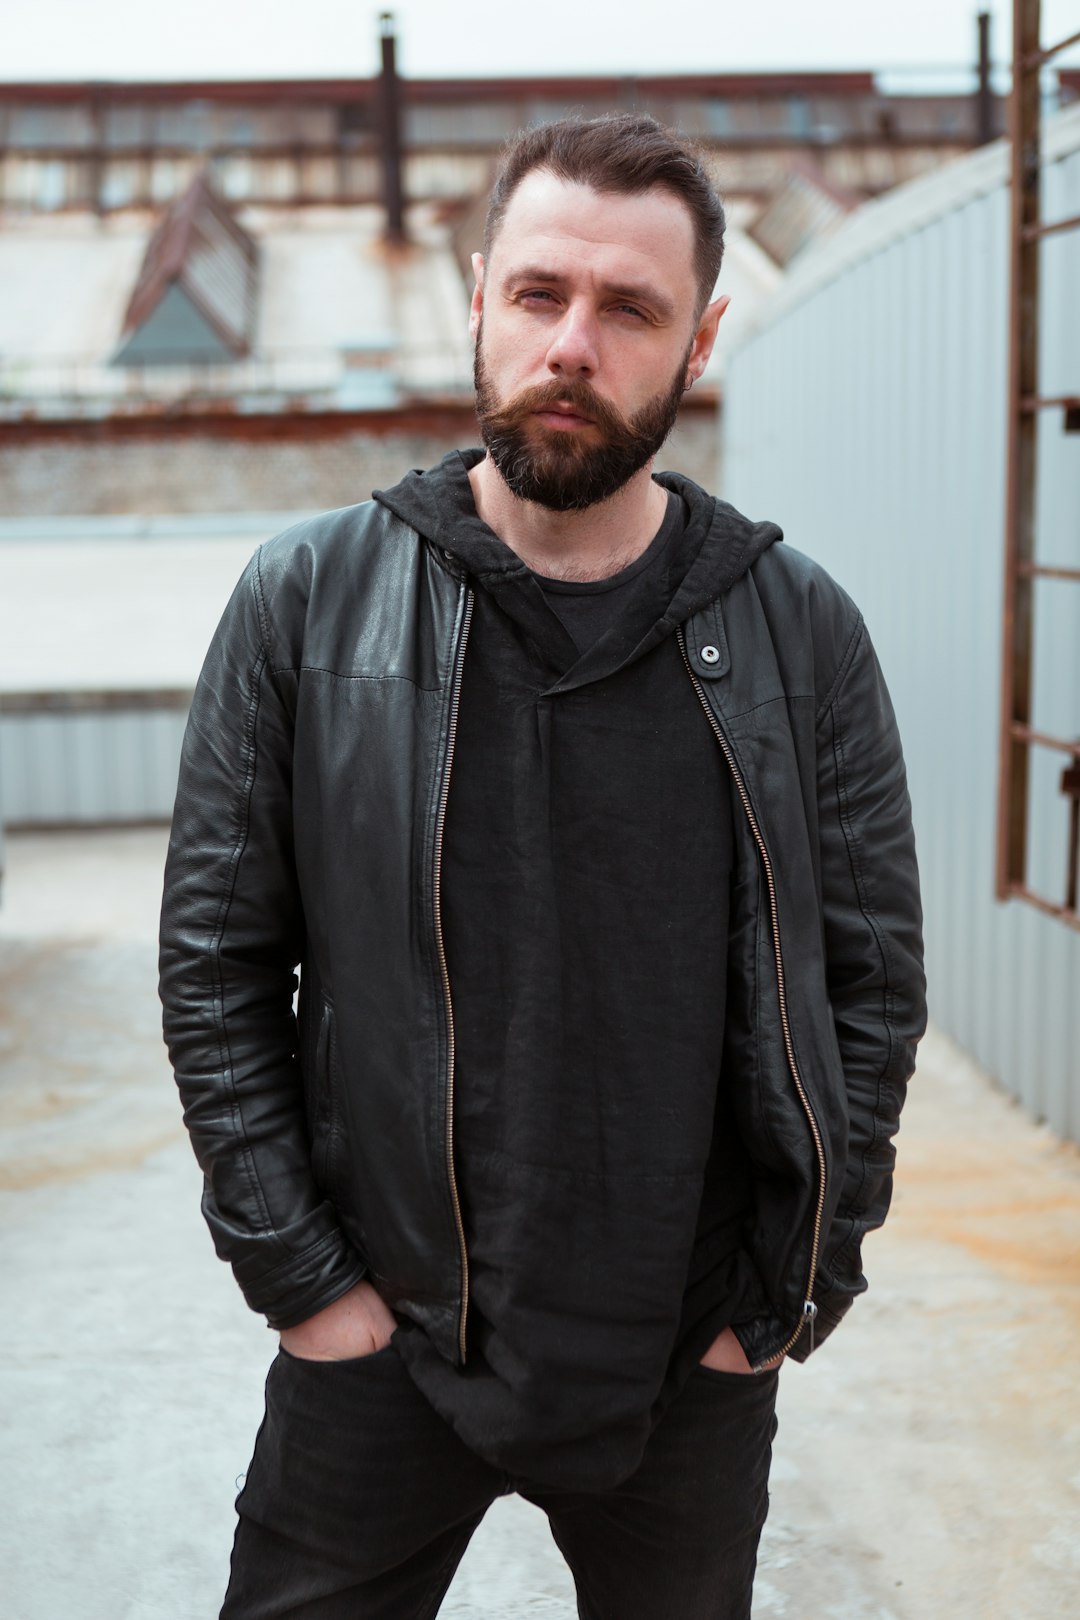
(928, 1460)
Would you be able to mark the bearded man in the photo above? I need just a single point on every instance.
(579, 802)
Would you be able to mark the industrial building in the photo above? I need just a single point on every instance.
(301, 251)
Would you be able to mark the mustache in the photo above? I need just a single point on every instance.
(579, 396)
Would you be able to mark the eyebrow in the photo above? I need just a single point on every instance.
(634, 292)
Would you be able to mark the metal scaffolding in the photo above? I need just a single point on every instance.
(1022, 567)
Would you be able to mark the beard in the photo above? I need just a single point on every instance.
(569, 470)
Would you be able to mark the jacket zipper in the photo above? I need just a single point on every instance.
(440, 823)
(809, 1309)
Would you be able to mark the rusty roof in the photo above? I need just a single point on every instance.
(201, 247)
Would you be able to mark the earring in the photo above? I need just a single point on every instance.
(688, 384)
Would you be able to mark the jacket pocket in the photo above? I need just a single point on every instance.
(327, 1134)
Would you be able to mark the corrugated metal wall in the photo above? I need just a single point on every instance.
(867, 415)
(84, 764)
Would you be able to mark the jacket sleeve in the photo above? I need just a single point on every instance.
(232, 933)
(873, 947)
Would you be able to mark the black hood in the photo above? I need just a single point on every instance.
(715, 548)
(722, 544)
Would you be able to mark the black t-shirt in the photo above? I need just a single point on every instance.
(588, 609)
(586, 869)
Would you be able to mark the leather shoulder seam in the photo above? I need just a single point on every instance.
(846, 660)
(260, 607)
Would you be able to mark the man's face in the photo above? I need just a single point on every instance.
(533, 438)
(585, 335)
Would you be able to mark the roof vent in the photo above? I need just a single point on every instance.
(194, 300)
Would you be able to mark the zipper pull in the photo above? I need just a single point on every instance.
(809, 1311)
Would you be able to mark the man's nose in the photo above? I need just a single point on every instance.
(573, 351)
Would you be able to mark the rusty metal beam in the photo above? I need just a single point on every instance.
(1048, 571)
(107, 701)
(445, 417)
(450, 416)
(1070, 786)
(1033, 232)
(574, 87)
(1043, 739)
(1018, 891)
(1017, 625)
(1043, 54)
(365, 145)
(1042, 402)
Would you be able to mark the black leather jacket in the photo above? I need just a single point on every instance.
(308, 831)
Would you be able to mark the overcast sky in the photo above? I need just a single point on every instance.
(131, 39)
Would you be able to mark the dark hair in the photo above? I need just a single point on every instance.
(621, 152)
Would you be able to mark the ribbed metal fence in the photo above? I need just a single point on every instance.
(89, 758)
(867, 416)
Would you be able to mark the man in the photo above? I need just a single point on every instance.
(579, 801)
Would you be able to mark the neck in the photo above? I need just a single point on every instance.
(593, 544)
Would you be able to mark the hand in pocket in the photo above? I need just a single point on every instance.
(357, 1324)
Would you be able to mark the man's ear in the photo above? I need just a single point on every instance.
(476, 307)
(705, 337)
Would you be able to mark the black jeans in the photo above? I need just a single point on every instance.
(360, 1502)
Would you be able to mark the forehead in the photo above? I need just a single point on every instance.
(614, 235)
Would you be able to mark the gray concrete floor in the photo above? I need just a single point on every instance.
(928, 1460)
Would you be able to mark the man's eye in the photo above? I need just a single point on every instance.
(537, 295)
(630, 309)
